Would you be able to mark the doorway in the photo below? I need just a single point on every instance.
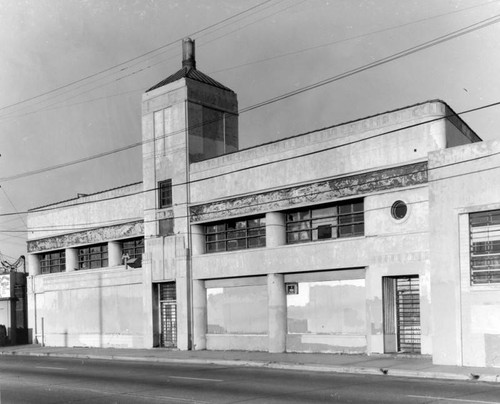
(401, 299)
(168, 314)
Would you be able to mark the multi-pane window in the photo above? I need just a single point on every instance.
(165, 194)
(236, 235)
(54, 261)
(344, 219)
(134, 248)
(95, 256)
(485, 247)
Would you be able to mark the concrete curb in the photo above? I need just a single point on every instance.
(274, 365)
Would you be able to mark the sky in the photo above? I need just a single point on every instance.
(72, 74)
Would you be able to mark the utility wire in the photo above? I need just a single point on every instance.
(311, 194)
(12, 204)
(132, 59)
(85, 84)
(428, 170)
(289, 208)
(350, 38)
(47, 108)
(425, 45)
(444, 38)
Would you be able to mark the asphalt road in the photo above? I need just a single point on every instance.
(51, 380)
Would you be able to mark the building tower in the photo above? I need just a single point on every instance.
(187, 117)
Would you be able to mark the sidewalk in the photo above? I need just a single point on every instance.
(408, 366)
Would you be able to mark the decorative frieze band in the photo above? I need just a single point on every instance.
(318, 192)
(99, 235)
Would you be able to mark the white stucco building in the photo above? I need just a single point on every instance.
(374, 236)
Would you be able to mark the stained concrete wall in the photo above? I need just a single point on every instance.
(120, 205)
(388, 248)
(98, 308)
(463, 180)
(364, 145)
(224, 186)
(169, 118)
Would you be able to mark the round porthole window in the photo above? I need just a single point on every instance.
(399, 210)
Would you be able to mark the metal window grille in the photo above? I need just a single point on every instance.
(326, 222)
(168, 313)
(485, 247)
(91, 257)
(52, 262)
(408, 314)
(235, 235)
(165, 194)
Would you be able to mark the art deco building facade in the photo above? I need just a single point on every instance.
(377, 235)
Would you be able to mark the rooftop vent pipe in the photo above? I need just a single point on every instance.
(188, 59)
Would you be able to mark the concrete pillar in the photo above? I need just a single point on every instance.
(275, 229)
(149, 320)
(197, 239)
(30, 292)
(34, 264)
(114, 253)
(71, 259)
(276, 313)
(199, 315)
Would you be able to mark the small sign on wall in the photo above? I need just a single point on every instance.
(292, 288)
(4, 286)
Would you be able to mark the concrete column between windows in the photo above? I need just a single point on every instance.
(34, 264)
(71, 259)
(277, 328)
(275, 229)
(115, 253)
(199, 315)
(197, 239)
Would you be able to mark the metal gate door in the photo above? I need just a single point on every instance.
(168, 315)
(408, 314)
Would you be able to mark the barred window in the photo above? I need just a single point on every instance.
(345, 219)
(134, 248)
(236, 235)
(54, 261)
(95, 256)
(165, 194)
(485, 247)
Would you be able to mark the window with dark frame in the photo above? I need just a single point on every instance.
(344, 219)
(165, 194)
(52, 262)
(134, 248)
(235, 235)
(485, 247)
(95, 256)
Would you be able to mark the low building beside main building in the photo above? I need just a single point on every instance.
(380, 235)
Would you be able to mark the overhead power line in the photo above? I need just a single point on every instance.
(436, 41)
(307, 195)
(56, 105)
(352, 38)
(132, 59)
(97, 82)
(142, 191)
(425, 45)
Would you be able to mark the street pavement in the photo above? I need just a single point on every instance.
(391, 365)
(39, 380)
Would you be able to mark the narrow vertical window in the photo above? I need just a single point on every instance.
(164, 194)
